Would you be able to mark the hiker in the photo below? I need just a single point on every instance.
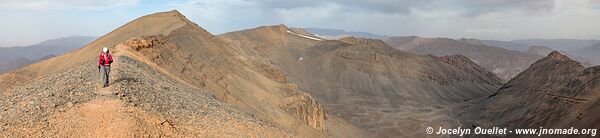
(104, 62)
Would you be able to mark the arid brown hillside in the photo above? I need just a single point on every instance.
(365, 81)
(170, 78)
(505, 63)
(554, 92)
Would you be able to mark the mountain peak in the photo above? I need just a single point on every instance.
(171, 12)
(282, 26)
(174, 11)
(557, 56)
(173, 15)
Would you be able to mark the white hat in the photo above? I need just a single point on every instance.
(105, 49)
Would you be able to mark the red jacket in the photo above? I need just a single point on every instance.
(105, 59)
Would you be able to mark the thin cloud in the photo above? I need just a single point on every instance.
(403, 7)
(370, 6)
(482, 7)
(64, 4)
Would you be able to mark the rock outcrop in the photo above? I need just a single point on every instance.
(307, 108)
(145, 42)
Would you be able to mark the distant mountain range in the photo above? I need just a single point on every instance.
(505, 63)
(570, 47)
(506, 44)
(529, 50)
(559, 44)
(585, 51)
(591, 52)
(18, 56)
(579, 49)
(337, 34)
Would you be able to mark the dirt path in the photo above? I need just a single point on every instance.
(103, 91)
(97, 118)
(108, 117)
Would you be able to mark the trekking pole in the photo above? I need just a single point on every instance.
(99, 74)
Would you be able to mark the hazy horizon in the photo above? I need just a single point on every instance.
(33, 21)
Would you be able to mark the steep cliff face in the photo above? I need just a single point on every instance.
(554, 92)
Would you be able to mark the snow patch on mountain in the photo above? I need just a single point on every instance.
(305, 36)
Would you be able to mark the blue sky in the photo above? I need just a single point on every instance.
(26, 22)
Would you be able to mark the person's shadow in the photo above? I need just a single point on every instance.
(126, 79)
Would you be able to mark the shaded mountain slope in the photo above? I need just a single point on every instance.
(374, 86)
(167, 48)
(505, 63)
(554, 92)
